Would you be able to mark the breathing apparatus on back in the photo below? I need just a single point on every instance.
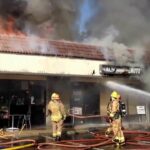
(122, 107)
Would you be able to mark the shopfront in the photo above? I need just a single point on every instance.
(30, 76)
(22, 97)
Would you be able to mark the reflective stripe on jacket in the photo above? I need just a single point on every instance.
(57, 110)
(114, 112)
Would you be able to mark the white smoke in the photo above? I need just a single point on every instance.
(52, 18)
(40, 45)
(129, 17)
(120, 25)
(112, 49)
(122, 54)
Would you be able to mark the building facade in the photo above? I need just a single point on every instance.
(31, 69)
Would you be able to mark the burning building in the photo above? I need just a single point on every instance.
(41, 67)
(32, 68)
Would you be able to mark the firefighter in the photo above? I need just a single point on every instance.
(109, 130)
(116, 117)
(57, 115)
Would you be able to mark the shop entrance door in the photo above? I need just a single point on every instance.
(85, 99)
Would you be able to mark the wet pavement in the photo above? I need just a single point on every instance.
(90, 139)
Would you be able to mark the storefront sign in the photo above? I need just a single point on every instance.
(77, 110)
(140, 110)
(119, 70)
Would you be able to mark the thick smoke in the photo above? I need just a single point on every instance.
(53, 19)
(117, 24)
(12, 11)
(66, 19)
(111, 49)
(129, 17)
(120, 25)
(114, 25)
(12, 8)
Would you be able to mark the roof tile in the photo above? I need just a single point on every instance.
(34, 45)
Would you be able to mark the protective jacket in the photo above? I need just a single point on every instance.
(115, 114)
(116, 121)
(57, 110)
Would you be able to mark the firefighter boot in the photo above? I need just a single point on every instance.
(116, 140)
(122, 141)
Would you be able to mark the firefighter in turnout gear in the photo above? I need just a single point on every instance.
(116, 119)
(109, 119)
(57, 115)
(109, 130)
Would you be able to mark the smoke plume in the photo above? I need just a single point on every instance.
(53, 19)
(120, 25)
(129, 17)
(113, 25)
(68, 18)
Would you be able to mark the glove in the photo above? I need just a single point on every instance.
(64, 117)
(111, 115)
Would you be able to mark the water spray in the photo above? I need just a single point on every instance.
(122, 87)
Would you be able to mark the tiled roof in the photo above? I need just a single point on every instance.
(37, 46)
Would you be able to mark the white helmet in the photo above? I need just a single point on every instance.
(55, 96)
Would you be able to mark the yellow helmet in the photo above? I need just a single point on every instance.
(114, 94)
(55, 96)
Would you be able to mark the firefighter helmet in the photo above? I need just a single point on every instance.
(55, 96)
(114, 94)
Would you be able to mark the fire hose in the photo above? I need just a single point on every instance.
(30, 143)
(80, 144)
(100, 139)
(85, 117)
(142, 140)
(74, 145)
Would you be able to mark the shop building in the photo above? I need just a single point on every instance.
(31, 69)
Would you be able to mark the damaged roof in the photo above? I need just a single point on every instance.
(37, 46)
